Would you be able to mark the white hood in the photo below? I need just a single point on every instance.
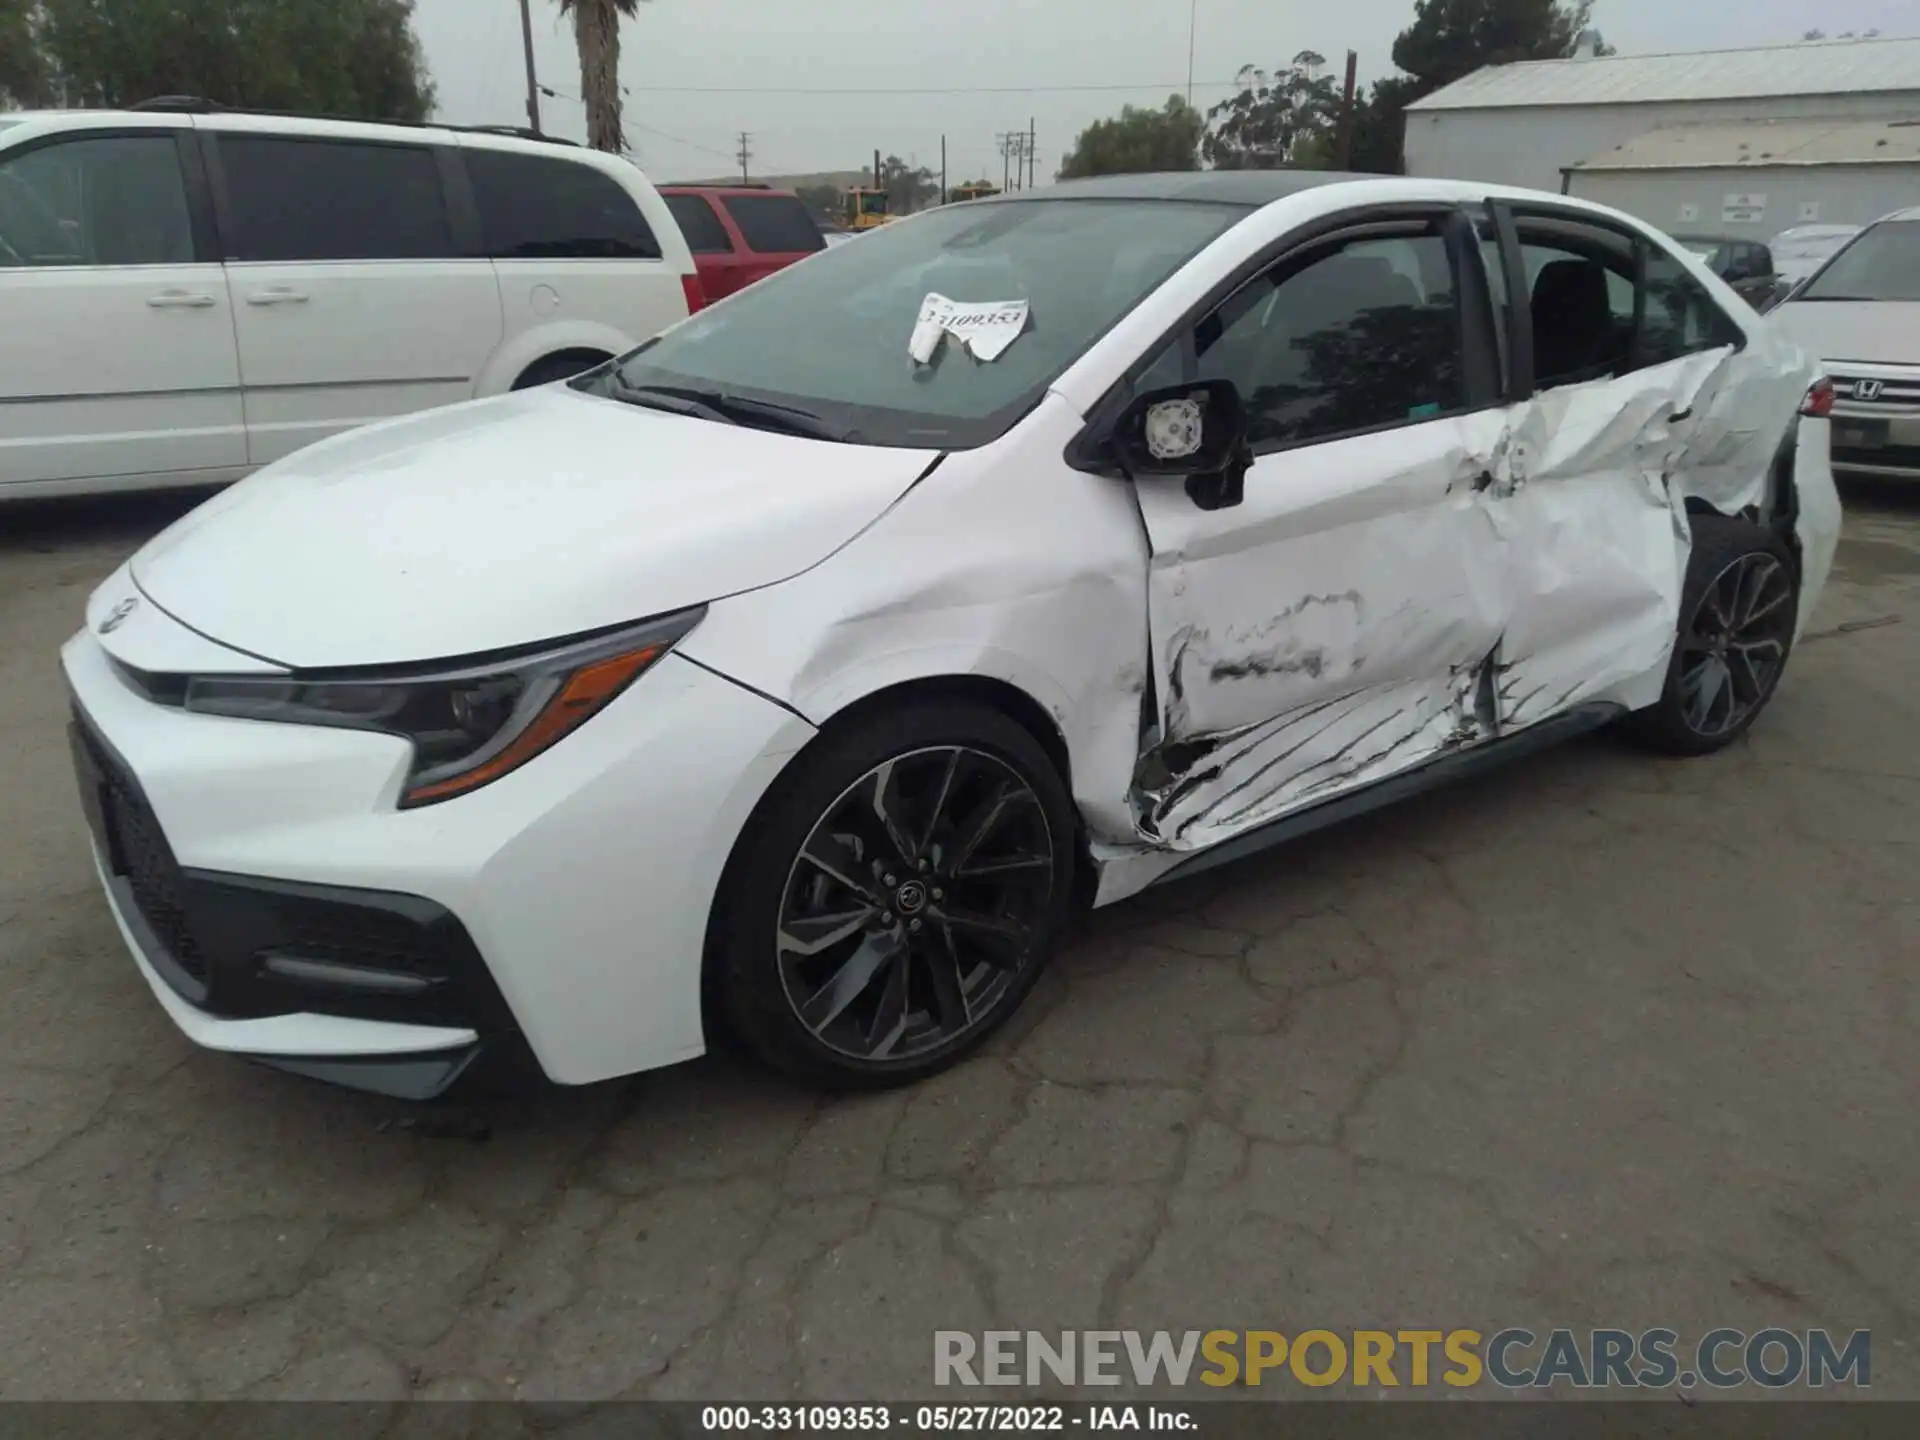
(507, 522)
(1881, 332)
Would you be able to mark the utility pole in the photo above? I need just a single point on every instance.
(1344, 157)
(745, 155)
(1032, 131)
(1006, 159)
(943, 169)
(533, 84)
(1193, 16)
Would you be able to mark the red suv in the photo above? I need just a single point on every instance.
(741, 233)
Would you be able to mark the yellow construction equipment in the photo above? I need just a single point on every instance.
(866, 207)
(976, 190)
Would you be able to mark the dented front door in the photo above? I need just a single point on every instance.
(1337, 625)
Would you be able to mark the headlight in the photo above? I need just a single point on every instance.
(469, 725)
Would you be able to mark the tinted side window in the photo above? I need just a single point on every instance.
(774, 224)
(1582, 306)
(111, 200)
(1364, 336)
(535, 208)
(333, 200)
(1681, 318)
(704, 233)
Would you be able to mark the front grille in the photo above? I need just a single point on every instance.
(140, 852)
(1889, 392)
(211, 934)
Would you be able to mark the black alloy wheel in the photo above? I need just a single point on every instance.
(895, 895)
(1735, 645)
(1739, 609)
(915, 903)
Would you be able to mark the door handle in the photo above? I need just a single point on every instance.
(279, 295)
(180, 300)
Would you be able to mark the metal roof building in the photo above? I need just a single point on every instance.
(1751, 180)
(1531, 123)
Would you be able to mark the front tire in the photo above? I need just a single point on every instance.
(1738, 610)
(895, 897)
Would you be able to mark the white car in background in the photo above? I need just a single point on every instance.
(189, 293)
(798, 673)
(1861, 314)
(1798, 252)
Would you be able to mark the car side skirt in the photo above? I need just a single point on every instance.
(1442, 770)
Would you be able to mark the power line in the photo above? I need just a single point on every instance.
(650, 129)
(1169, 86)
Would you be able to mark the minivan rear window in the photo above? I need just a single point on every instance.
(301, 199)
(536, 208)
(775, 224)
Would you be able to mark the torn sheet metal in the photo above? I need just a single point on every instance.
(1312, 638)
(1378, 602)
(986, 329)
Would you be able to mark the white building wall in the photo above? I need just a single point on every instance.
(1788, 195)
(1531, 146)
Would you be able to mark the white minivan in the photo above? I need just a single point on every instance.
(187, 293)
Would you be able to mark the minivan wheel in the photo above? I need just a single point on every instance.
(1738, 610)
(896, 897)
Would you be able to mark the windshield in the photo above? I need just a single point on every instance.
(830, 337)
(1882, 263)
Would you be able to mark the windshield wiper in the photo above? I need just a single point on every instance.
(671, 401)
(734, 409)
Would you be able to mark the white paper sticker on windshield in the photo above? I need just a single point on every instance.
(985, 328)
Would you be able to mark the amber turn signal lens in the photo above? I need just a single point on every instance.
(586, 691)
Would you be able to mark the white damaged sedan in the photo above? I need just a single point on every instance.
(796, 674)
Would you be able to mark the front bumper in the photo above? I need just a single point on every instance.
(1879, 435)
(281, 907)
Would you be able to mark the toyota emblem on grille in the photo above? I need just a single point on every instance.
(118, 613)
(1868, 389)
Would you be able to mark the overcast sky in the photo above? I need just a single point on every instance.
(820, 83)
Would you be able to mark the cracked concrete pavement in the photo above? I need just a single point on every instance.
(1599, 1040)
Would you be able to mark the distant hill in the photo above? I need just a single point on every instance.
(839, 179)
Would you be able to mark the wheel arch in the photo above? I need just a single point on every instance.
(991, 691)
(586, 356)
(519, 350)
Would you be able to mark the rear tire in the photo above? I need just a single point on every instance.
(1738, 610)
(895, 896)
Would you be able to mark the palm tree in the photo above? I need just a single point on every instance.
(596, 31)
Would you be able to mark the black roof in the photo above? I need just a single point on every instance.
(1227, 187)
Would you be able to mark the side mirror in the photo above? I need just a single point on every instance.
(1197, 430)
